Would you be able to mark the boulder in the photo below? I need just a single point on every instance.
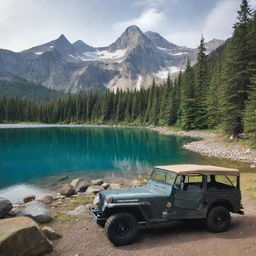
(29, 198)
(50, 233)
(105, 185)
(5, 206)
(80, 185)
(80, 210)
(136, 183)
(37, 211)
(96, 199)
(47, 199)
(67, 190)
(16, 210)
(21, 237)
(94, 189)
(114, 186)
(97, 182)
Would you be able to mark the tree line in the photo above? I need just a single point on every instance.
(219, 91)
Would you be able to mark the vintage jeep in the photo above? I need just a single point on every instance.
(174, 192)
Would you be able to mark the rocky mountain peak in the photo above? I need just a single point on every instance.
(81, 47)
(159, 41)
(213, 44)
(130, 38)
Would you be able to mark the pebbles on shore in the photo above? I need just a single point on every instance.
(210, 146)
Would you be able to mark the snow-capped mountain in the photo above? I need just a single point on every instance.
(131, 62)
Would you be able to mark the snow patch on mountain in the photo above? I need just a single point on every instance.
(103, 55)
(178, 53)
(139, 83)
(163, 73)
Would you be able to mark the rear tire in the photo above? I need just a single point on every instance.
(121, 228)
(218, 219)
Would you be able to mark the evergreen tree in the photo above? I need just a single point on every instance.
(188, 99)
(201, 87)
(236, 73)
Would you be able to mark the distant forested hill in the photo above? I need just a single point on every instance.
(22, 89)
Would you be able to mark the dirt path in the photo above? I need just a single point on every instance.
(84, 238)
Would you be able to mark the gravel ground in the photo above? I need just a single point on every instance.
(84, 238)
(213, 145)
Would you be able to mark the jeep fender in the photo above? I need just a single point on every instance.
(133, 208)
(224, 203)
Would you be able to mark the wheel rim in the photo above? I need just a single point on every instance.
(219, 220)
(121, 229)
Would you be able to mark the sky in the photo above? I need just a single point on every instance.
(26, 23)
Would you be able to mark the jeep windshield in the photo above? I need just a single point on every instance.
(163, 176)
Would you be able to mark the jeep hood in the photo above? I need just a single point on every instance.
(143, 192)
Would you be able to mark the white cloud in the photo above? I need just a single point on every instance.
(220, 21)
(150, 19)
(153, 3)
(218, 24)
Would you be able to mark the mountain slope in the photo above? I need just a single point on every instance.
(15, 87)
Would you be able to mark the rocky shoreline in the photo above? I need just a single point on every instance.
(213, 145)
(20, 221)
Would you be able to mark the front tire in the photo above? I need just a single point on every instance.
(218, 219)
(121, 228)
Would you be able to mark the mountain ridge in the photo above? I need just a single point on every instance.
(131, 62)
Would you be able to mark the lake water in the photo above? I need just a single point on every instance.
(29, 155)
(33, 160)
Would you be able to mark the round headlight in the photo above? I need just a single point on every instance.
(110, 200)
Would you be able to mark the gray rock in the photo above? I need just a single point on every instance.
(67, 190)
(114, 186)
(97, 182)
(96, 199)
(21, 237)
(5, 206)
(47, 199)
(135, 183)
(29, 198)
(50, 233)
(94, 189)
(105, 185)
(16, 210)
(37, 211)
(80, 185)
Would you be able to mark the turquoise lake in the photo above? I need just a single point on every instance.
(30, 155)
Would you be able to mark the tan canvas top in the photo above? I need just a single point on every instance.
(199, 169)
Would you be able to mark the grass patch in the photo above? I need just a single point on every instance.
(63, 217)
(248, 184)
(72, 203)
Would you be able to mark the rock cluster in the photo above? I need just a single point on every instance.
(19, 233)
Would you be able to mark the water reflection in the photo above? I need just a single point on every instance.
(28, 154)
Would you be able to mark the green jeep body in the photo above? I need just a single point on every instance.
(175, 192)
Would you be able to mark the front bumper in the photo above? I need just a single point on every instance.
(96, 214)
